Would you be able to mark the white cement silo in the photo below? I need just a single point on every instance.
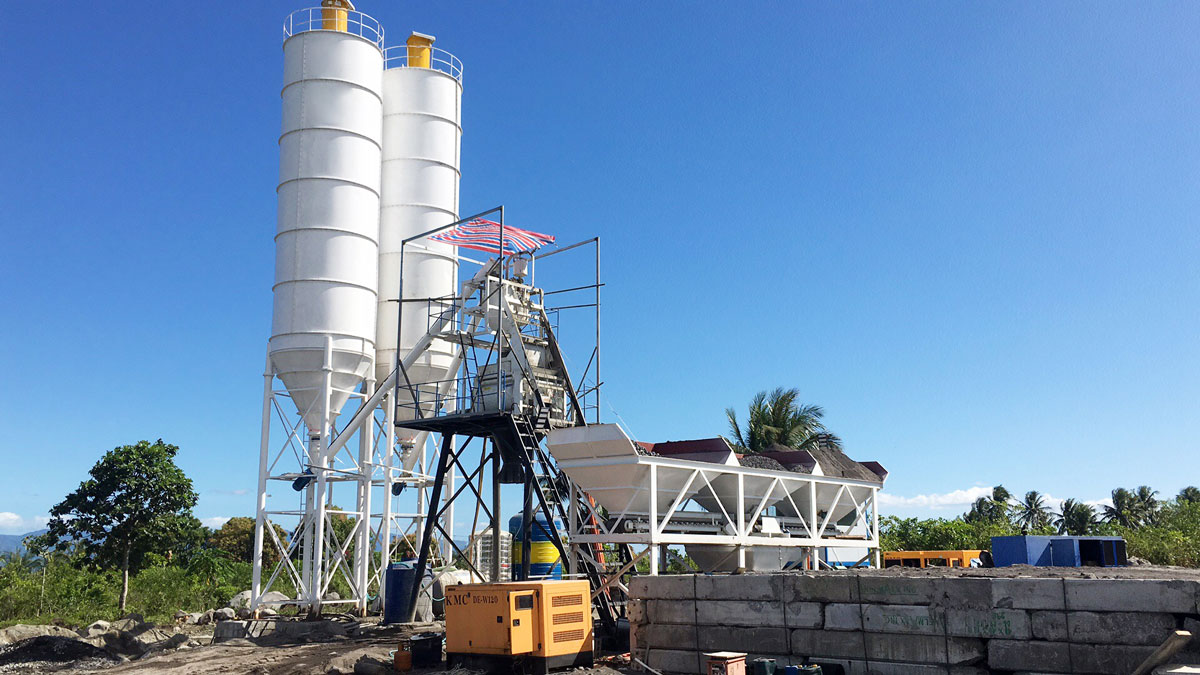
(422, 103)
(326, 244)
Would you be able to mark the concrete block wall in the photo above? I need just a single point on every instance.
(881, 623)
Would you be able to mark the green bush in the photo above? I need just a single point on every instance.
(940, 534)
(1173, 539)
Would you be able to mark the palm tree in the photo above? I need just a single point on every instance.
(777, 417)
(1189, 494)
(1124, 509)
(23, 560)
(1075, 518)
(1001, 495)
(1032, 512)
(990, 509)
(1147, 504)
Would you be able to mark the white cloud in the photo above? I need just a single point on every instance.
(956, 498)
(962, 500)
(12, 523)
(1055, 503)
(214, 522)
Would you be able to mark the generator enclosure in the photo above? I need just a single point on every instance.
(537, 625)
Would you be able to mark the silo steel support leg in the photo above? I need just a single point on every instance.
(260, 514)
(366, 468)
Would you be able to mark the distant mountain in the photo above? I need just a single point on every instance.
(16, 542)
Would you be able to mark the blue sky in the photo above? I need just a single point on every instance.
(968, 231)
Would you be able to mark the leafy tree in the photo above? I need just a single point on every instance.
(1032, 512)
(1189, 494)
(939, 534)
(235, 538)
(136, 501)
(1075, 518)
(1124, 509)
(1173, 539)
(778, 417)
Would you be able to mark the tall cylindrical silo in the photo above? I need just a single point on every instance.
(422, 103)
(327, 241)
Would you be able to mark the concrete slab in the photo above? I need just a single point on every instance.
(964, 593)
(739, 613)
(1049, 626)
(667, 587)
(804, 615)
(830, 644)
(1025, 655)
(739, 587)
(1132, 595)
(1012, 624)
(1119, 628)
(922, 620)
(635, 610)
(737, 639)
(924, 649)
(666, 636)
(839, 616)
(891, 590)
(1028, 594)
(1108, 659)
(831, 587)
(230, 630)
(671, 611)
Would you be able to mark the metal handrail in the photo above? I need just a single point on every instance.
(425, 399)
(314, 18)
(439, 59)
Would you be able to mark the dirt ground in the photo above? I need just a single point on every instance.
(367, 651)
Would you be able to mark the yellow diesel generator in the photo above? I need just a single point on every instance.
(529, 626)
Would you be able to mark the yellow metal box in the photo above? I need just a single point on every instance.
(540, 624)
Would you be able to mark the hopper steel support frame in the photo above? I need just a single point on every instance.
(738, 518)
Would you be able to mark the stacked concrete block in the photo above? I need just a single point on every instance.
(879, 623)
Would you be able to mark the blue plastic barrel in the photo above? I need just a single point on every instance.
(398, 592)
(544, 561)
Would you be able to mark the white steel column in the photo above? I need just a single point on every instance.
(317, 569)
(260, 513)
(654, 525)
(741, 520)
(875, 524)
(813, 524)
(366, 471)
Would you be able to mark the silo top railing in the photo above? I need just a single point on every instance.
(439, 59)
(333, 19)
